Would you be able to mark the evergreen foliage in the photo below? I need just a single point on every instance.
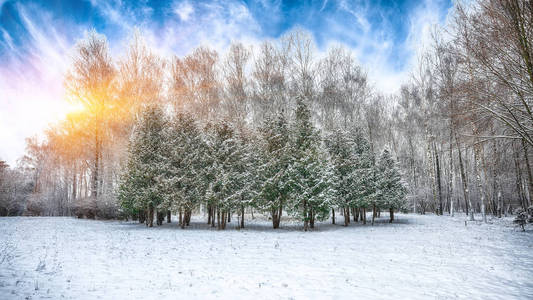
(312, 193)
(273, 176)
(391, 191)
(142, 188)
(184, 182)
(175, 165)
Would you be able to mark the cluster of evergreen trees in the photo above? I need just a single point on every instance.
(176, 165)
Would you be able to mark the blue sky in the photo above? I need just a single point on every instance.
(37, 37)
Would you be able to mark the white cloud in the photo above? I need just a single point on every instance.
(374, 46)
(184, 10)
(422, 22)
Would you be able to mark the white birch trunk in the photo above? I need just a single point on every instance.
(451, 207)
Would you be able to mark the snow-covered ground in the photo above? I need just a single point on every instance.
(419, 257)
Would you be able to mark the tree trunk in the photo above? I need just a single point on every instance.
(274, 215)
(477, 169)
(364, 215)
(95, 179)
(451, 174)
(150, 215)
(187, 216)
(413, 169)
(529, 173)
(74, 186)
(439, 185)
(451, 208)
(373, 213)
(222, 220)
(218, 217)
(391, 214)
(312, 218)
(494, 197)
(430, 154)
(346, 216)
(519, 180)
(168, 216)
(463, 177)
(142, 216)
(333, 216)
(280, 212)
(242, 216)
(159, 218)
(485, 206)
(500, 204)
(306, 217)
(85, 185)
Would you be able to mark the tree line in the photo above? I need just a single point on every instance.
(174, 166)
(460, 127)
(468, 107)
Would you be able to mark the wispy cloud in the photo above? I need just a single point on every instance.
(359, 11)
(385, 38)
(388, 49)
(31, 93)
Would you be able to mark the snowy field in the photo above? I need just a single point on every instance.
(420, 257)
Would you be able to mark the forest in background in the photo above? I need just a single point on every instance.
(460, 129)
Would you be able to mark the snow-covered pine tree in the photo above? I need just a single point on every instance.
(127, 192)
(209, 172)
(391, 191)
(141, 189)
(273, 174)
(342, 156)
(364, 175)
(225, 157)
(183, 180)
(247, 167)
(311, 193)
(238, 174)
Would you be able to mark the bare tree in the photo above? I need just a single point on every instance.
(195, 83)
(90, 83)
(236, 85)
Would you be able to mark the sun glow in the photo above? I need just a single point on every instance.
(72, 107)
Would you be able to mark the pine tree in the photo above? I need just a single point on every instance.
(274, 177)
(341, 150)
(237, 175)
(311, 193)
(391, 191)
(141, 189)
(225, 156)
(364, 174)
(247, 167)
(183, 168)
